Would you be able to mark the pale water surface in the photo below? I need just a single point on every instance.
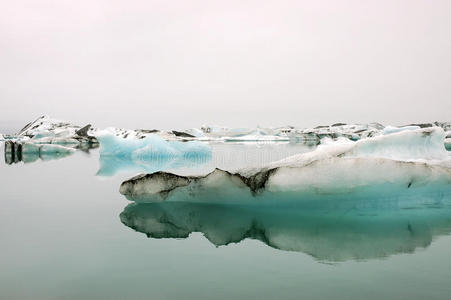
(62, 238)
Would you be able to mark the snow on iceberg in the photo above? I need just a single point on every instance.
(45, 130)
(151, 152)
(424, 145)
(47, 138)
(398, 166)
(393, 129)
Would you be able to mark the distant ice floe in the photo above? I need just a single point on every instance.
(398, 165)
(53, 131)
(46, 139)
(48, 131)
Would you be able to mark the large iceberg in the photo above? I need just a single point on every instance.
(376, 197)
(398, 166)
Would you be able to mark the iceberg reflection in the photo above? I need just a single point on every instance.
(329, 235)
(111, 165)
(27, 152)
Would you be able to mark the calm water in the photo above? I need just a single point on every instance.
(62, 238)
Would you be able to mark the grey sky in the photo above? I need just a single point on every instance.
(178, 64)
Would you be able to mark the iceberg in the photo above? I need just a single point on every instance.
(150, 152)
(339, 232)
(369, 199)
(396, 166)
(45, 130)
(48, 138)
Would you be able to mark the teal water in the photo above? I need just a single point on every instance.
(65, 235)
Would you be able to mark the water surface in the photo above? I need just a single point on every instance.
(65, 235)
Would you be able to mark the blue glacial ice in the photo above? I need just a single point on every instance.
(147, 154)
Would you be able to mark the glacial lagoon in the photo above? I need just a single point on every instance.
(69, 231)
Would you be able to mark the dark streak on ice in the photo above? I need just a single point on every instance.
(182, 134)
(256, 182)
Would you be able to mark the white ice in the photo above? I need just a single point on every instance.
(383, 165)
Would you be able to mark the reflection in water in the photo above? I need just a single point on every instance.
(16, 152)
(110, 165)
(333, 233)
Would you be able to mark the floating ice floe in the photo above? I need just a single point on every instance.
(48, 138)
(399, 165)
(45, 130)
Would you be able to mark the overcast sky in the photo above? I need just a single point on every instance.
(177, 64)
